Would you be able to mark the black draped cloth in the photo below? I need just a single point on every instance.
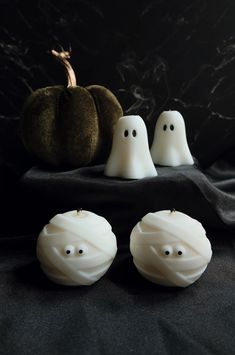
(122, 312)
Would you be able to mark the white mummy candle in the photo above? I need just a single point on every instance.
(170, 248)
(130, 156)
(76, 248)
(170, 147)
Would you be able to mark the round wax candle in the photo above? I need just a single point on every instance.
(76, 248)
(170, 248)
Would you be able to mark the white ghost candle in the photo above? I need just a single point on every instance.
(170, 147)
(170, 248)
(130, 157)
(76, 248)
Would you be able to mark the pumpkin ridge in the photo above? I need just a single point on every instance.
(109, 111)
(98, 139)
(79, 125)
(39, 124)
(98, 110)
(58, 127)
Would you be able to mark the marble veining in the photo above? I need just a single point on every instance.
(154, 55)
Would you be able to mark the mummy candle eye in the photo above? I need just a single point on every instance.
(180, 250)
(166, 250)
(76, 248)
(82, 249)
(170, 147)
(130, 156)
(170, 248)
(69, 250)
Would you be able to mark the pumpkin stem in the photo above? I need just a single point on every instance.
(62, 57)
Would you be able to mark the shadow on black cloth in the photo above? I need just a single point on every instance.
(124, 274)
(31, 275)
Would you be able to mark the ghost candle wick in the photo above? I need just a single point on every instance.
(130, 156)
(170, 248)
(76, 248)
(170, 147)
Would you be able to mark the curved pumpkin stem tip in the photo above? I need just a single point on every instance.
(62, 57)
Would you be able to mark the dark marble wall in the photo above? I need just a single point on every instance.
(154, 55)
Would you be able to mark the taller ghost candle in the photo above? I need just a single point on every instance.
(76, 248)
(170, 146)
(130, 156)
(170, 248)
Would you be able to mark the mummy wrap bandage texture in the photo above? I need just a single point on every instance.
(76, 248)
(170, 248)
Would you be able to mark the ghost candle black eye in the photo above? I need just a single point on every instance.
(126, 133)
(134, 133)
(164, 127)
(172, 127)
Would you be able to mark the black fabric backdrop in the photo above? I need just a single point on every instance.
(122, 312)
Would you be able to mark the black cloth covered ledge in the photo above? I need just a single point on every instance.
(124, 202)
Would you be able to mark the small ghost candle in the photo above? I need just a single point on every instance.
(170, 147)
(130, 156)
(170, 248)
(76, 248)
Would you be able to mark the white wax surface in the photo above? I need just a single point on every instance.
(130, 156)
(76, 248)
(170, 147)
(170, 248)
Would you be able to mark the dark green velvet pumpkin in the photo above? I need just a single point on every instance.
(70, 126)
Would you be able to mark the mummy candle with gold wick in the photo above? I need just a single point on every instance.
(130, 156)
(170, 146)
(76, 248)
(170, 248)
